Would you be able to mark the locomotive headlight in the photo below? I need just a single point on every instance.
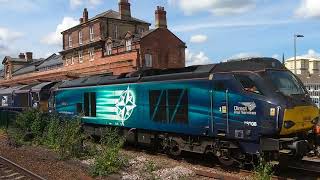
(289, 124)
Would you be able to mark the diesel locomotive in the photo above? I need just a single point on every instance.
(236, 110)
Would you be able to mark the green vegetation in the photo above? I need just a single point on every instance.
(65, 136)
(108, 160)
(264, 170)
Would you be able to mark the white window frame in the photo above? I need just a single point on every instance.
(109, 49)
(72, 60)
(91, 33)
(80, 37)
(70, 40)
(128, 44)
(91, 54)
(67, 62)
(148, 60)
(80, 54)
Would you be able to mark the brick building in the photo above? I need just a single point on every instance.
(110, 42)
(115, 42)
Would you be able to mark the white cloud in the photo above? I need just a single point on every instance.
(196, 59)
(199, 38)
(276, 56)
(9, 35)
(7, 38)
(308, 9)
(90, 3)
(217, 7)
(245, 55)
(55, 38)
(206, 25)
(311, 54)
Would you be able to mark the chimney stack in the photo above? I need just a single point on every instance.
(81, 20)
(22, 56)
(124, 9)
(161, 17)
(85, 15)
(29, 56)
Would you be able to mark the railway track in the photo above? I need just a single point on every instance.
(305, 165)
(12, 171)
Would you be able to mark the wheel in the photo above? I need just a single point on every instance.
(174, 148)
(317, 151)
(226, 161)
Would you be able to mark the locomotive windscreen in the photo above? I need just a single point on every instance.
(286, 82)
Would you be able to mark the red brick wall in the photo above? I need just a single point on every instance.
(166, 49)
(85, 35)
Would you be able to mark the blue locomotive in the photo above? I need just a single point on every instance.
(236, 110)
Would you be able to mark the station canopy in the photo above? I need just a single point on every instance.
(10, 90)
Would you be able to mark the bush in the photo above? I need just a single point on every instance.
(109, 161)
(30, 126)
(264, 170)
(69, 142)
(53, 133)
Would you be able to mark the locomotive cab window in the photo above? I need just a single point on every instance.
(248, 84)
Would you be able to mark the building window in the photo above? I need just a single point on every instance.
(80, 37)
(70, 40)
(148, 60)
(91, 54)
(80, 57)
(109, 49)
(91, 33)
(129, 45)
(140, 30)
(67, 62)
(115, 32)
(72, 60)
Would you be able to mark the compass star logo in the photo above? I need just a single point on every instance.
(125, 105)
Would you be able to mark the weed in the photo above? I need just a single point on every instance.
(109, 161)
(264, 170)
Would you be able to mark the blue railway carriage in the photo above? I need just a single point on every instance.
(235, 110)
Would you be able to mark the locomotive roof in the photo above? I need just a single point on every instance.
(199, 71)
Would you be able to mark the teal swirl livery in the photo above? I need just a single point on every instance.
(236, 110)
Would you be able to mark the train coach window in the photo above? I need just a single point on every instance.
(248, 84)
(169, 106)
(90, 104)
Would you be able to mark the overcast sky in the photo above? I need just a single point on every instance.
(213, 30)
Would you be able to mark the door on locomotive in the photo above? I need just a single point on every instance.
(221, 107)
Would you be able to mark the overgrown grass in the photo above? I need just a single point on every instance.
(263, 171)
(65, 136)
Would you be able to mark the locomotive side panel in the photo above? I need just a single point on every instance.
(177, 106)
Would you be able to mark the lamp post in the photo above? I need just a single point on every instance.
(296, 36)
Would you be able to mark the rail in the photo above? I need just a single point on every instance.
(11, 170)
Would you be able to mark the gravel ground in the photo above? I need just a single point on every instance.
(142, 165)
(43, 162)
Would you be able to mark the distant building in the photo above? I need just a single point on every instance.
(312, 84)
(24, 69)
(111, 42)
(308, 71)
(304, 65)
